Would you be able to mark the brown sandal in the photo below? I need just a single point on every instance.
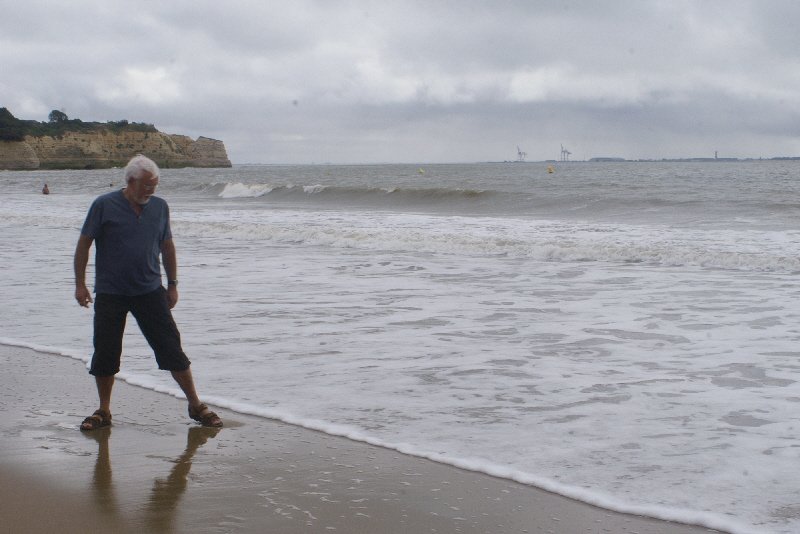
(99, 419)
(204, 416)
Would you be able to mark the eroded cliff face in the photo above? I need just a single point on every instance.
(17, 156)
(104, 149)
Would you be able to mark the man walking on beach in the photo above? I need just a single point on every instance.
(131, 230)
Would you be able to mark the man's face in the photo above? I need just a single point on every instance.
(143, 188)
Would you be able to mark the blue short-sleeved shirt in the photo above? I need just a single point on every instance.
(127, 246)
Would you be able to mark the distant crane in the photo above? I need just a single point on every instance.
(565, 154)
(521, 155)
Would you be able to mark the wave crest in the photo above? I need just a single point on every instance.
(240, 190)
(353, 194)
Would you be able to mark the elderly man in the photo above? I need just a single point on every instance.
(131, 230)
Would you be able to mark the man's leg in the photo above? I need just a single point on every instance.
(197, 410)
(101, 417)
(110, 313)
(186, 383)
(104, 386)
(158, 326)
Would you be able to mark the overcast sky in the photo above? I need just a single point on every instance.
(306, 81)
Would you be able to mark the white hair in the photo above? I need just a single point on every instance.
(140, 165)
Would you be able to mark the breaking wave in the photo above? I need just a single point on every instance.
(344, 195)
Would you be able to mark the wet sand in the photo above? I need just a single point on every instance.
(156, 471)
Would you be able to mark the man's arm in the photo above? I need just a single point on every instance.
(82, 294)
(170, 260)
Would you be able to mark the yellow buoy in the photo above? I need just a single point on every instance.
(550, 169)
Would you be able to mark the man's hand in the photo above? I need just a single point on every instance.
(172, 296)
(83, 296)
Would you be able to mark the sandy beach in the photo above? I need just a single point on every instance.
(156, 471)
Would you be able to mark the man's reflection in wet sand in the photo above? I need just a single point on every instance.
(102, 484)
(166, 492)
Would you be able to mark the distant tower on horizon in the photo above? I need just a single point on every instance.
(565, 154)
(521, 155)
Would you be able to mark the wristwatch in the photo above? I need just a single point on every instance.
(172, 282)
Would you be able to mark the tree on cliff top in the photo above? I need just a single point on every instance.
(11, 128)
(57, 116)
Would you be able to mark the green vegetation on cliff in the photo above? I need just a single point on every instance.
(11, 128)
(14, 129)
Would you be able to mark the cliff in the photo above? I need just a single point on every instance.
(103, 148)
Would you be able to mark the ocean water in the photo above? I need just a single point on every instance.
(622, 333)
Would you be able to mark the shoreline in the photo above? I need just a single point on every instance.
(156, 470)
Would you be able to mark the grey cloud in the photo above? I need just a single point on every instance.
(417, 81)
